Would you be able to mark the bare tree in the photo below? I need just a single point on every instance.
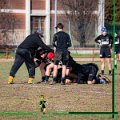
(82, 18)
(7, 22)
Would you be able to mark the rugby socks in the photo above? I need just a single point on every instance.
(102, 72)
(46, 78)
(110, 72)
(43, 78)
(63, 81)
(54, 81)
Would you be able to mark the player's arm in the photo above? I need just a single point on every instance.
(98, 40)
(69, 42)
(54, 41)
(111, 41)
(43, 45)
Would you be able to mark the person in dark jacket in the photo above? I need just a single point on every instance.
(105, 41)
(61, 41)
(25, 53)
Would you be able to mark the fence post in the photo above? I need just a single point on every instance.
(6, 50)
(93, 55)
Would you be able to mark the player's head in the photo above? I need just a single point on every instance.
(104, 30)
(40, 32)
(59, 26)
(41, 97)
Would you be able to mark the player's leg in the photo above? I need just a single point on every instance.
(42, 70)
(102, 65)
(67, 75)
(17, 63)
(63, 74)
(65, 59)
(109, 65)
(108, 59)
(58, 56)
(102, 60)
(118, 56)
(48, 71)
(30, 65)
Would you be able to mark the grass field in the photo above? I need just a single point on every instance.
(22, 97)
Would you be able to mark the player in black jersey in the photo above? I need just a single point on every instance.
(61, 41)
(105, 41)
(117, 47)
(25, 53)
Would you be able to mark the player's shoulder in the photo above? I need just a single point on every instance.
(62, 32)
(66, 33)
(100, 35)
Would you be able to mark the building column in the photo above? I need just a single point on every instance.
(47, 22)
(27, 17)
(101, 8)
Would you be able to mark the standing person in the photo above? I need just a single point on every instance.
(105, 40)
(25, 53)
(117, 48)
(61, 41)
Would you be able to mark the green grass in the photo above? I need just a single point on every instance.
(84, 55)
(21, 97)
(90, 55)
(10, 55)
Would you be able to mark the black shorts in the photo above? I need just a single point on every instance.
(117, 49)
(105, 53)
(61, 56)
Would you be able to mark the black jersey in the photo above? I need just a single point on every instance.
(104, 41)
(117, 45)
(61, 41)
(117, 41)
(32, 42)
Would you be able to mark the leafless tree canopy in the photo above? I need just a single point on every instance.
(7, 21)
(82, 18)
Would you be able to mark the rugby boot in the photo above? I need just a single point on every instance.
(30, 80)
(53, 82)
(10, 80)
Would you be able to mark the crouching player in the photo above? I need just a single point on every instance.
(44, 58)
(86, 73)
(81, 73)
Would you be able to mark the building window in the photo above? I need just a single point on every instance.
(37, 22)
